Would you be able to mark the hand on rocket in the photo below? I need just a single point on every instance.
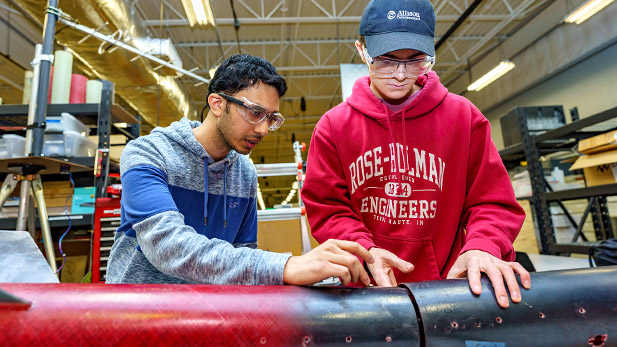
(473, 262)
(333, 258)
(385, 261)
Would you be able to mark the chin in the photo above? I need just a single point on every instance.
(397, 96)
(243, 150)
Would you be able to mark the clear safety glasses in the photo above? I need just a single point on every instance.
(386, 68)
(255, 114)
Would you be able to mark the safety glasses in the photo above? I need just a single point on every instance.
(255, 114)
(386, 68)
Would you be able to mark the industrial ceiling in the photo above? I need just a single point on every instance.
(306, 40)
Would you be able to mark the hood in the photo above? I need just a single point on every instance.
(181, 133)
(364, 101)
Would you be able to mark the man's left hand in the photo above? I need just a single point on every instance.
(473, 262)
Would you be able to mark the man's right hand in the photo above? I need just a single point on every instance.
(381, 269)
(333, 258)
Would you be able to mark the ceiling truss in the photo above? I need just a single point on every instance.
(307, 40)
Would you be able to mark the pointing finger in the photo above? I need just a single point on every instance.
(355, 248)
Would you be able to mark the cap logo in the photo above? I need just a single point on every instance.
(402, 14)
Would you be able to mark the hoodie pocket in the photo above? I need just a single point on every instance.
(418, 252)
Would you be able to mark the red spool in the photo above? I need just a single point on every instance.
(78, 89)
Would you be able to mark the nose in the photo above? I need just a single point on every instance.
(400, 73)
(262, 128)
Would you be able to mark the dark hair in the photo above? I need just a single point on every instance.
(362, 40)
(241, 71)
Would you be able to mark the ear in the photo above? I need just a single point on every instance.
(360, 50)
(216, 104)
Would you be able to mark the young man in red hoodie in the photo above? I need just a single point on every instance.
(409, 170)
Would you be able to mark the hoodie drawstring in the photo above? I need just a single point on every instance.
(405, 150)
(205, 191)
(393, 141)
(225, 196)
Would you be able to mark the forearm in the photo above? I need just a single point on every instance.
(493, 229)
(246, 244)
(177, 250)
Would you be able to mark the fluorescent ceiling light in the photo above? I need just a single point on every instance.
(198, 12)
(492, 75)
(586, 10)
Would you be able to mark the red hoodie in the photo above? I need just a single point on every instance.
(425, 183)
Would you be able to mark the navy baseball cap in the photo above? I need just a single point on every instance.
(390, 25)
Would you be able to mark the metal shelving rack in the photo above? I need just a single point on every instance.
(101, 119)
(33, 116)
(564, 138)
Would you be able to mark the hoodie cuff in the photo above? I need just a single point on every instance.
(270, 268)
(482, 245)
(365, 242)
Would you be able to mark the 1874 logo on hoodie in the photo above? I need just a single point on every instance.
(398, 189)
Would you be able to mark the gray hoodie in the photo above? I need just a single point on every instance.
(172, 232)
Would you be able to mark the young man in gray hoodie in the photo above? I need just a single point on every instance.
(189, 210)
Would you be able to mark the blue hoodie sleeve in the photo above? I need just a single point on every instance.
(145, 193)
(144, 181)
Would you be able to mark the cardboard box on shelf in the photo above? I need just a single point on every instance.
(599, 143)
(282, 236)
(117, 142)
(55, 192)
(599, 168)
(526, 240)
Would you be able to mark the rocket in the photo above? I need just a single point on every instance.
(562, 308)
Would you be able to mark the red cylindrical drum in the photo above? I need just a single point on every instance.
(78, 89)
